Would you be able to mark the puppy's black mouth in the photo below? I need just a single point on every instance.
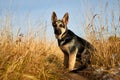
(57, 31)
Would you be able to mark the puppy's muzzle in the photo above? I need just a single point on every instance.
(57, 31)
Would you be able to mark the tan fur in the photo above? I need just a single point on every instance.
(72, 59)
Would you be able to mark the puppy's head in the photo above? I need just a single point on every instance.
(60, 26)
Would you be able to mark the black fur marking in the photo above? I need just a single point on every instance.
(72, 49)
(54, 24)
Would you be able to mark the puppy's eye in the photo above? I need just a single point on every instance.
(61, 25)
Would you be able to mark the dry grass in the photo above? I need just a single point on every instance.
(31, 58)
(27, 58)
(107, 44)
(104, 35)
(107, 53)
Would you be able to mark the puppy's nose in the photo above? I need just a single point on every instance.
(57, 32)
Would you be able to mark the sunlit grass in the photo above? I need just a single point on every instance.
(30, 58)
(27, 58)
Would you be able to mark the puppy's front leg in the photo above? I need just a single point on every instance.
(66, 59)
(72, 59)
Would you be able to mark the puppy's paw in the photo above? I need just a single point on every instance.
(74, 71)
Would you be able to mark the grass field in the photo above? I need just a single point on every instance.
(32, 58)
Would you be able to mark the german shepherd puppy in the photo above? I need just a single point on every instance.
(73, 47)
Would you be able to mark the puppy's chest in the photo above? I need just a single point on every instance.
(67, 45)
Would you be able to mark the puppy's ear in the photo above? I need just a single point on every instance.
(54, 17)
(65, 18)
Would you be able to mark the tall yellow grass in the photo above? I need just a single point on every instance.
(27, 57)
(107, 45)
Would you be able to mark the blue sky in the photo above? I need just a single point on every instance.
(42, 10)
